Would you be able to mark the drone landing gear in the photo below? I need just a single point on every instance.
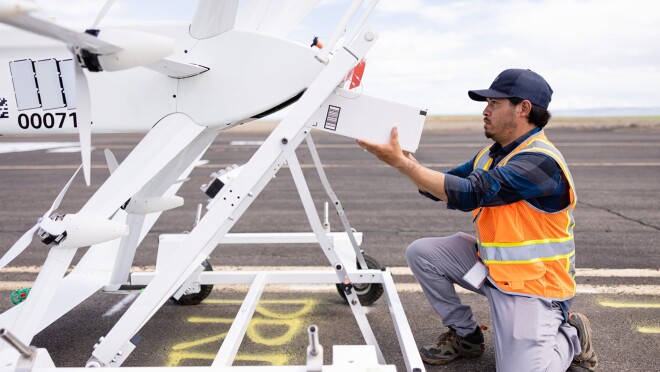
(368, 293)
(196, 297)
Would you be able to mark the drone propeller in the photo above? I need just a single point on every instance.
(84, 121)
(102, 13)
(84, 105)
(44, 222)
(111, 160)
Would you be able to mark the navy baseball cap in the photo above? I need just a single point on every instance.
(520, 83)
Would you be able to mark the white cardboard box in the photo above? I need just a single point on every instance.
(360, 116)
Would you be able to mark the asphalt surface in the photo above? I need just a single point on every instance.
(617, 172)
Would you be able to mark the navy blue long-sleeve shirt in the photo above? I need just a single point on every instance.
(534, 177)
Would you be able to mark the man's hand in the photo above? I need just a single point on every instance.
(389, 153)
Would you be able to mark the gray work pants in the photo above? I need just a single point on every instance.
(530, 333)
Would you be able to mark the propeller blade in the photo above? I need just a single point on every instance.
(52, 227)
(18, 247)
(52, 30)
(102, 13)
(84, 121)
(111, 160)
(58, 200)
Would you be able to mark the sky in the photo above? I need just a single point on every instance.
(595, 54)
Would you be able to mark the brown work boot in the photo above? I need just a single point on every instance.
(587, 360)
(450, 346)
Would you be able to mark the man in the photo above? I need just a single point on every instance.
(522, 197)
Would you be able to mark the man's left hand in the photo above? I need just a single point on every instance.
(389, 153)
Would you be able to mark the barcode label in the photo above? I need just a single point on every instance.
(46, 84)
(332, 118)
(4, 108)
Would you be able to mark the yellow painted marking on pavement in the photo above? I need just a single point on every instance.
(642, 329)
(201, 341)
(176, 357)
(293, 326)
(308, 304)
(630, 305)
(292, 322)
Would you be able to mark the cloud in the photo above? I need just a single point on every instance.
(594, 53)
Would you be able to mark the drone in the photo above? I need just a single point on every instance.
(183, 85)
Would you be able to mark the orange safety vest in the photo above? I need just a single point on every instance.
(528, 251)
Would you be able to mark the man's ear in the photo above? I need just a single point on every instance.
(525, 108)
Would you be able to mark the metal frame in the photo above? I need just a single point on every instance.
(228, 205)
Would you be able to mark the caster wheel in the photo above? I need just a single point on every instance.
(367, 293)
(196, 298)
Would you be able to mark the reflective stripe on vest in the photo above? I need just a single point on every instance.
(528, 251)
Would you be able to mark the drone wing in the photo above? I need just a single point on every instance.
(213, 17)
(275, 17)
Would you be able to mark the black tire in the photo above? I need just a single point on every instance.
(196, 298)
(367, 293)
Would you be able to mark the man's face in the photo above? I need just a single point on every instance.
(499, 119)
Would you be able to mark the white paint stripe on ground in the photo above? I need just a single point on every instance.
(631, 290)
(642, 329)
(12, 286)
(630, 305)
(49, 167)
(395, 270)
(454, 145)
(119, 306)
(246, 143)
(638, 290)
(330, 166)
(10, 147)
(67, 149)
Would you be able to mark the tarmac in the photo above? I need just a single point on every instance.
(615, 164)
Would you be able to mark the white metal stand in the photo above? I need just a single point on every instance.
(228, 206)
(223, 212)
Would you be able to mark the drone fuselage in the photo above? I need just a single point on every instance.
(249, 74)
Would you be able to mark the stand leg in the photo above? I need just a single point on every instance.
(335, 200)
(35, 307)
(328, 249)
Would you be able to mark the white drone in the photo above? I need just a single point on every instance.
(229, 66)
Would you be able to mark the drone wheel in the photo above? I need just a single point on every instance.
(196, 298)
(367, 293)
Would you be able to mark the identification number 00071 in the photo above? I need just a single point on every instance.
(48, 120)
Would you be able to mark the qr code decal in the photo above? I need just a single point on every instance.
(332, 118)
(4, 108)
